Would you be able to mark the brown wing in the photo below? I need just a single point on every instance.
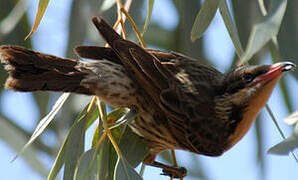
(189, 102)
(97, 53)
(138, 62)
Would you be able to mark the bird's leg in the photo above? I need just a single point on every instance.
(171, 171)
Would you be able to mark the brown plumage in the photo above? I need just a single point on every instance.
(181, 103)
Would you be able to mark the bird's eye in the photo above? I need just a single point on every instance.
(248, 78)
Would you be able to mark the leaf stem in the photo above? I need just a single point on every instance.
(134, 27)
(174, 157)
(103, 117)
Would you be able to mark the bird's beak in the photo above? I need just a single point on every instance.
(275, 71)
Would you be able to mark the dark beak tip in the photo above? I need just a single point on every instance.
(288, 66)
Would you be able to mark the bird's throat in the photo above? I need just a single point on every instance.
(257, 102)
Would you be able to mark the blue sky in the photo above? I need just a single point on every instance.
(238, 163)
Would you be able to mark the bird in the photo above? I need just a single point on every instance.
(181, 102)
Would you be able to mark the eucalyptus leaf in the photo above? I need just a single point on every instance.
(133, 148)
(292, 119)
(42, 6)
(107, 4)
(148, 17)
(84, 120)
(203, 18)
(42, 125)
(130, 115)
(124, 171)
(116, 114)
(75, 146)
(107, 157)
(265, 29)
(225, 14)
(287, 145)
(59, 162)
(87, 166)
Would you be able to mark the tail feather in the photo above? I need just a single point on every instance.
(33, 71)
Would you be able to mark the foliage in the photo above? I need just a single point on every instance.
(104, 160)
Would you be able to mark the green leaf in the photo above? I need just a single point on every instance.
(116, 114)
(83, 119)
(92, 116)
(133, 148)
(148, 17)
(265, 29)
(130, 115)
(45, 121)
(107, 4)
(96, 135)
(107, 157)
(203, 19)
(42, 6)
(287, 145)
(75, 146)
(291, 142)
(87, 166)
(225, 14)
(59, 161)
(292, 119)
(124, 171)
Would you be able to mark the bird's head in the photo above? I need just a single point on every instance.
(247, 89)
(247, 83)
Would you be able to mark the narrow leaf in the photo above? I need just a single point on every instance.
(75, 145)
(204, 18)
(42, 6)
(292, 119)
(60, 159)
(116, 114)
(287, 145)
(107, 4)
(124, 171)
(291, 142)
(96, 135)
(226, 16)
(45, 121)
(87, 166)
(107, 157)
(133, 148)
(265, 29)
(130, 115)
(149, 13)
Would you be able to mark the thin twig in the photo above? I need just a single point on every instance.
(119, 7)
(103, 117)
(102, 137)
(174, 157)
(134, 27)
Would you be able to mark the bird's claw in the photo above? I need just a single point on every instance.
(174, 172)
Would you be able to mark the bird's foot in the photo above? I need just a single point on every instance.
(171, 171)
